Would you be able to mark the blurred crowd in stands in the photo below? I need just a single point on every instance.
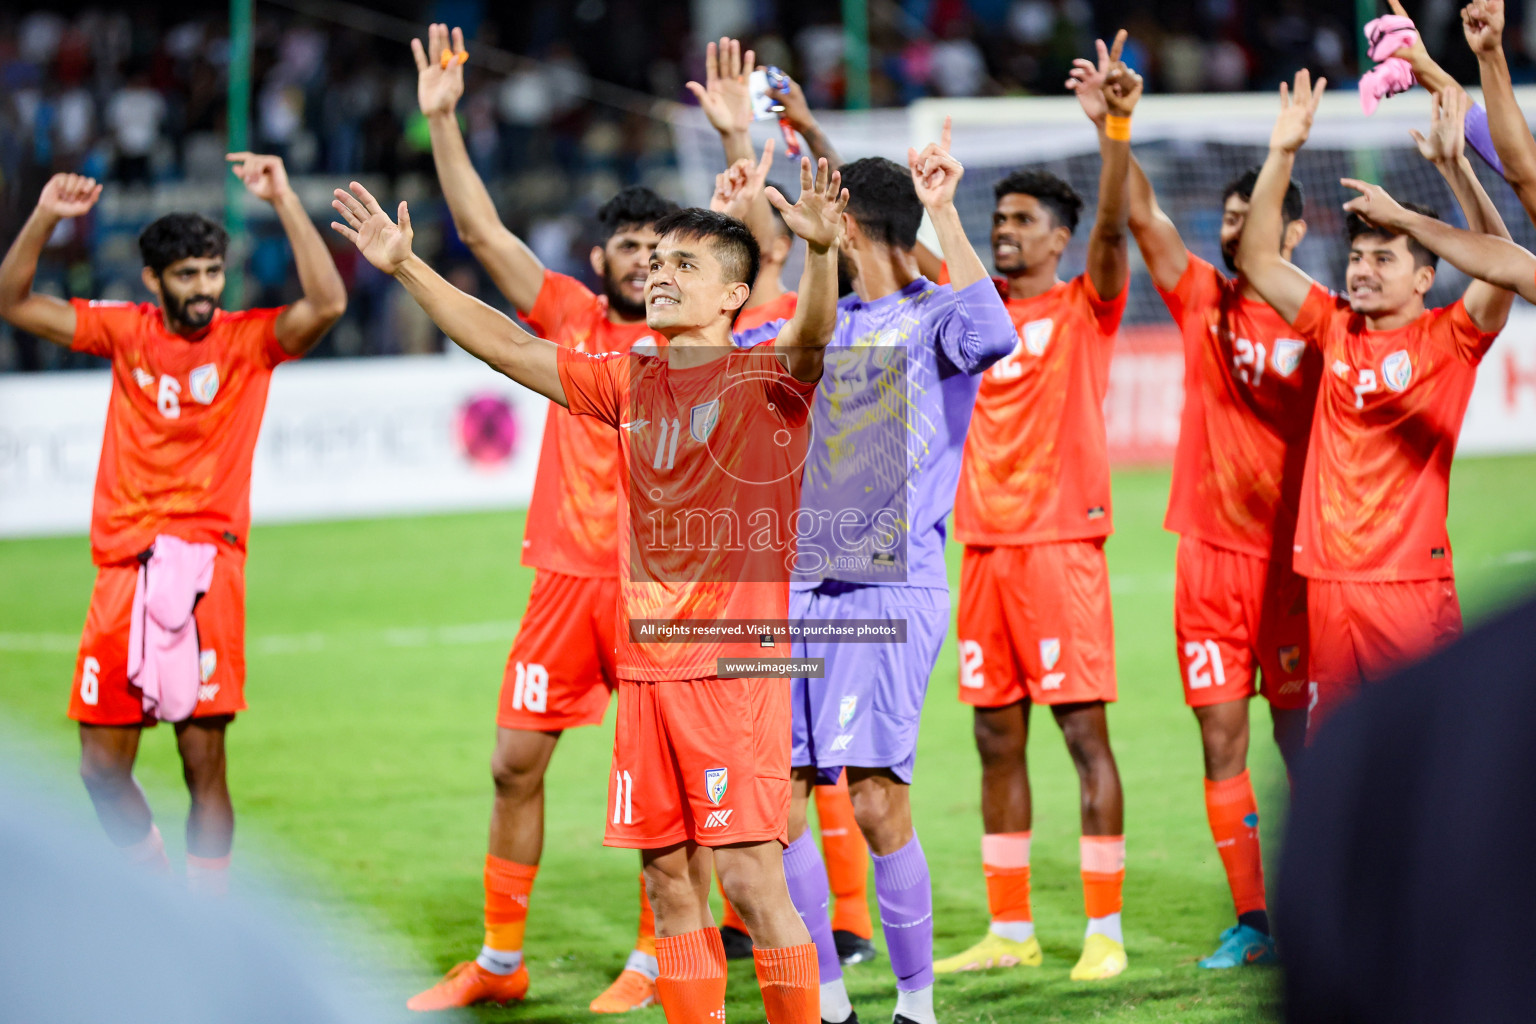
(136, 97)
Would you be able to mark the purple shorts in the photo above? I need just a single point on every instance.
(865, 711)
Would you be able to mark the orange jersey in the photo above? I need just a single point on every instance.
(1036, 467)
(781, 308)
(712, 457)
(1250, 387)
(1373, 501)
(573, 514)
(181, 424)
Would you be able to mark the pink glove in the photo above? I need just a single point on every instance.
(1388, 34)
(1388, 78)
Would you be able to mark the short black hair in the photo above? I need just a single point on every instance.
(1291, 208)
(732, 241)
(635, 206)
(882, 200)
(1051, 192)
(180, 236)
(1356, 226)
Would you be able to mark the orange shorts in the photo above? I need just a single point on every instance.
(1240, 622)
(1035, 623)
(102, 695)
(561, 669)
(705, 760)
(1365, 631)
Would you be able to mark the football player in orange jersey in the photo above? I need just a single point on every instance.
(560, 670)
(726, 100)
(1239, 610)
(1033, 509)
(1371, 537)
(189, 386)
(690, 738)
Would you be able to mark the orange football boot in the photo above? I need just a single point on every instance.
(630, 991)
(469, 983)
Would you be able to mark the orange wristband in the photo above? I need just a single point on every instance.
(1117, 128)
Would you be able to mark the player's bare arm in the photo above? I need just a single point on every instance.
(1109, 264)
(739, 193)
(798, 113)
(300, 326)
(483, 332)
(818, 218)
(1429, 74)
(1162, 247)
(1280, 282)
(65, 196)
(516, 271)
(1445, 147)
(1482, 23)
(935, 175)
(725, 97)
(1489, 258)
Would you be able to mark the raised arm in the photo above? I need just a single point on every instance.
(817, 218)
(936, 174)
(1162, 247)
(1109, 263)
(324, 299)
(483, 332)
(1280, 282)
(739, 194)
(65, 196)
(1483, 24)
(1491, 259)
(798, 113)
(514, 268)
(1445, 147)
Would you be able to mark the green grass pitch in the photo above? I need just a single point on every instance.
(376, 650)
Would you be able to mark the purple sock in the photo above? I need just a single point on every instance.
(1479, 138)
(905, 895)
(809, 892)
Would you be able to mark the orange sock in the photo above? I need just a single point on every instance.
(691, 985)
(790, 983)
(645, 942)
(1005, 862)
(847, 857)
(507, 886)
(729, 918)
(1234, 817)
(1103, 874)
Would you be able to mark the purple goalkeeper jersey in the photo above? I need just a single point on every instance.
(888, 424)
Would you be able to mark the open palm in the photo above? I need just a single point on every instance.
(818, 216)
(383, 242)
(1447, 138)
(439, 81)
(69, 195)
(1298, 106)
(725, 97)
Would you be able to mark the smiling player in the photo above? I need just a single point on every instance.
(701, 760)
(560, 670)
(1371, 536)
(189, 386)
